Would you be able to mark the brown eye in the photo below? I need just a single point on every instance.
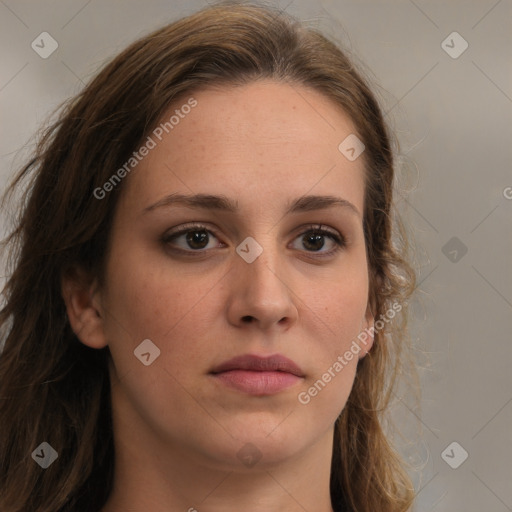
(191, 238)
(314, 240)
(197, 239)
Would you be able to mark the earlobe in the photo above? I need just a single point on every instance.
(81, 296)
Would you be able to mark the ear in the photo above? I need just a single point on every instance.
(367, 334)
(83, 305)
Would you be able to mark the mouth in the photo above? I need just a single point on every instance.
(258, 376)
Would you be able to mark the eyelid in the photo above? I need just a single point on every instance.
(189, 226)
(204, 225)
(336, 236)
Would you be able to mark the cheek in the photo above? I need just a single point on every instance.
(342, 307)
(326, 395)
(334, 353)
(149, 299)
(177, 310)
(338, 316)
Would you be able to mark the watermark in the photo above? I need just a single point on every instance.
(146, 352)
(454, 249)
(151, 143)
(351, 147)
(454, 455)
(249, 455)
(44, 45)
(454, 45)
(304, 397)
(249, 249)
(45, 455)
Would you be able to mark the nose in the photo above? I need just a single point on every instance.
(261, 294)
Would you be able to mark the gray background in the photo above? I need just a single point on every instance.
(453, 120)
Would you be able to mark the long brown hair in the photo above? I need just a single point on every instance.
(55, 389)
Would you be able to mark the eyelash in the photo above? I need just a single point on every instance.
(339, 240)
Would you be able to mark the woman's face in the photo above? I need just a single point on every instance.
(254, 280)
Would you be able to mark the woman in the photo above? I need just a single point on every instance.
(207, 302)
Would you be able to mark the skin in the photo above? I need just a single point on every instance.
(177, 429)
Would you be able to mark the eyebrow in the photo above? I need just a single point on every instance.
(223, 203)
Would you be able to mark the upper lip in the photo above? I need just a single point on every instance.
(260, 363)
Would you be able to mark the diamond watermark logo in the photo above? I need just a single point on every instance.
(454, 455)
(454, 45)
(44, 455)
(44, 45)
(454, 249)
(249, 455)
(147, 352)
(351, 147)
(249, 249)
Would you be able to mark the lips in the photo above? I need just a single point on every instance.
(276, 363)
(258, 376)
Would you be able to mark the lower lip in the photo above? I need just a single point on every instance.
(258, 383)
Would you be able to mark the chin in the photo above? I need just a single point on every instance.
(264, 442)
(256, 454)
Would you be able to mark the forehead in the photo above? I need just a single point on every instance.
(269, 139)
